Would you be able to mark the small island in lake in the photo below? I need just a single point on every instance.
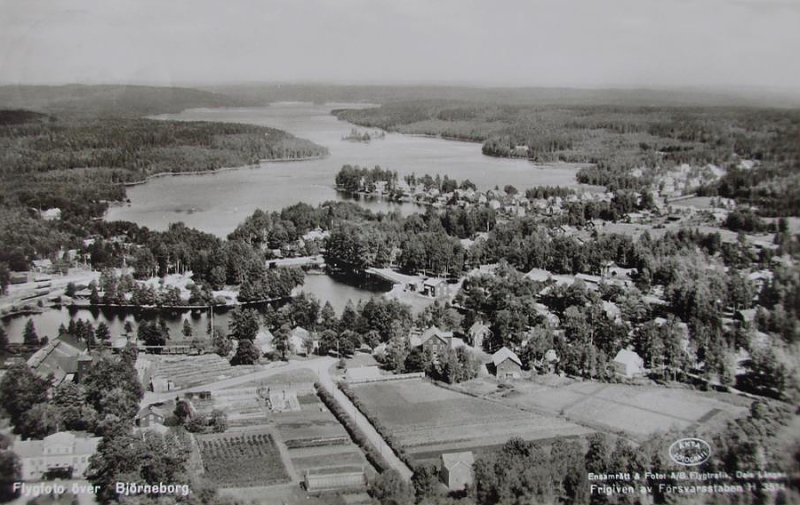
(357, 135)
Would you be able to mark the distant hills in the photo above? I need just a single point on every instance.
(136, 101)
(383, 94)
(79, 100)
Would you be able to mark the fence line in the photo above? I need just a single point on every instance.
(384, 378)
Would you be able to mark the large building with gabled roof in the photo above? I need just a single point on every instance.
(507, 364)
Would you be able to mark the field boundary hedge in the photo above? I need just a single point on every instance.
(384, 432)
(358, 436)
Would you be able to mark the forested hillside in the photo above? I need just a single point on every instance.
(619, 139)
(110, 100)
(80, 146)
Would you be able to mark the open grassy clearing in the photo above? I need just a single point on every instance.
(428, 420)
(289, 377)
(636, 410)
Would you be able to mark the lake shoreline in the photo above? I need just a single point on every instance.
(223, 169)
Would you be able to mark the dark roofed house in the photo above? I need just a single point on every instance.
(507, 364)
(435, 340)
(435, 287)
(59, 357)
(746, 317)
(151, 415)
(455, 470)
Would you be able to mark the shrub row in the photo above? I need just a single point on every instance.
(382, 430)
(315, 442)
(358, 436)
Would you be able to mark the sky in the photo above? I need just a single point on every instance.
(576, 43)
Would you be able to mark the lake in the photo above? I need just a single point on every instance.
(337, 290)
(217, 202)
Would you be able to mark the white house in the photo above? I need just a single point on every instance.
(628, 364)
(263, 341)
(60, 453)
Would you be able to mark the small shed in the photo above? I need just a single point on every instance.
(746, 317)
(455, 470)
(434, 287)
(628, 364)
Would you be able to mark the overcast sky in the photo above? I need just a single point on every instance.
(581, 43)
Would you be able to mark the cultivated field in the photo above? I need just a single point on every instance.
(315, 439)
(636, 410)
(242, 460)
(428, 420)
(189, 371)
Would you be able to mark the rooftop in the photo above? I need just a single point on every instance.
(504, 354)
(451, 459)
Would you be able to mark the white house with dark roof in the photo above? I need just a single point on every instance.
(63, 453)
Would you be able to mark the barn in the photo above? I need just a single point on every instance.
(507, 364)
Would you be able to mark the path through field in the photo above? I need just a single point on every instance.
(322, 370)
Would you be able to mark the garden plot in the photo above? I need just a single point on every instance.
(428, 420)
(314, 458)
(316, 440)
(245, 407)
(189, 371)
(308, 428)
(242, 460)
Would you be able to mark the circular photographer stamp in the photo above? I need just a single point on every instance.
(689, 451)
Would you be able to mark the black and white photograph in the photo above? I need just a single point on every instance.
(399, 252)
